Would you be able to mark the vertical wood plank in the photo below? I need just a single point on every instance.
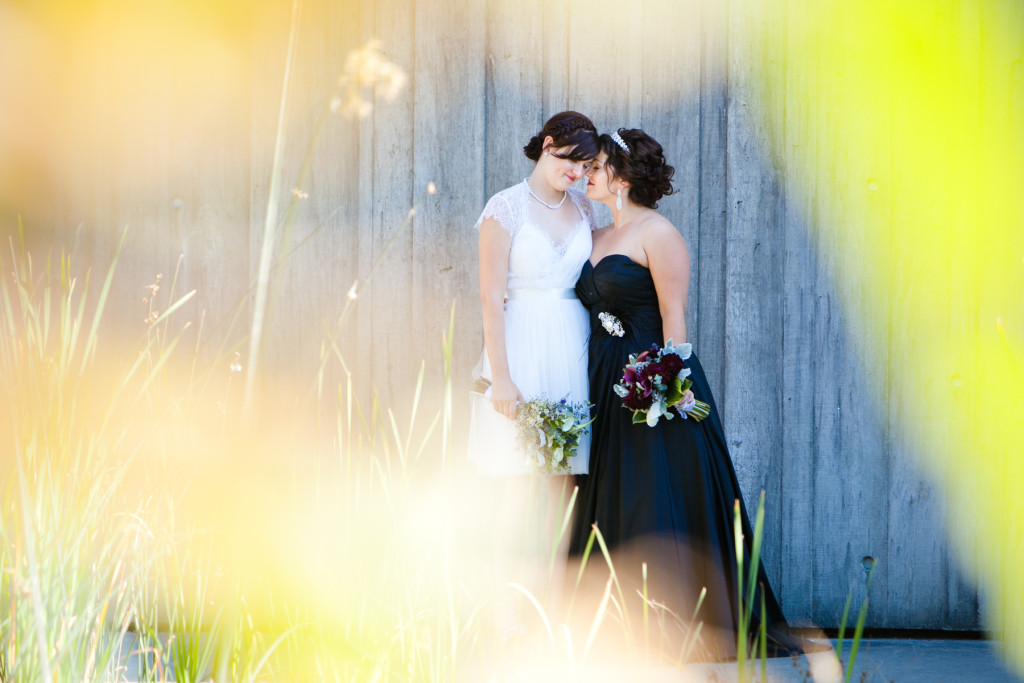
(387, 193)
(605, 70)
(709, 336)
(515, 89)
(449, 128)
(803, 279)
(670, 114)
(330, 217)
(851, 465)
(753, 271)
(313, 267)
(556, 76)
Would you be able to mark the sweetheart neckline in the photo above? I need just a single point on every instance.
(604, 258)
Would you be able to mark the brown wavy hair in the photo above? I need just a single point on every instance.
(643, 167)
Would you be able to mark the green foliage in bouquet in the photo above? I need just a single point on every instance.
(674, 391)
(550, 432)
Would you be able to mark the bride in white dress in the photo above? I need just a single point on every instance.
(534, 240)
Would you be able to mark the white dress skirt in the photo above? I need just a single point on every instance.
(546, 329)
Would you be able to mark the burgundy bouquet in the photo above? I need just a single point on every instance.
(654, 382)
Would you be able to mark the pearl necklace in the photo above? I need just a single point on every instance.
(550, 206)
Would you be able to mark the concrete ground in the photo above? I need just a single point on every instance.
(878, 661)
(882, 661)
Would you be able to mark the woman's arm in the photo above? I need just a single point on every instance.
(495, 245)
(669, 262)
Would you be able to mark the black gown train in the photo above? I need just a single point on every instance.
(663, 495)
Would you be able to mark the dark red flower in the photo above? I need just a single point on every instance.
(672, 365)
(651, 369)
(641, 390)
(638, 402)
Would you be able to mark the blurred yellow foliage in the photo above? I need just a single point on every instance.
(902, 125)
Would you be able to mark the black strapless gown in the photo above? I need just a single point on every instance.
(663, 495)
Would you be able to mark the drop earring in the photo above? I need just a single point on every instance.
(618, 199)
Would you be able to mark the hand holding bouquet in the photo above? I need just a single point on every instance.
(550, 432)
(654, 382)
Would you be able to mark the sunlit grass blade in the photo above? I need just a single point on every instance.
(29, 529)
(173, 307)
(540, 610)
(272, 648)
(270, 222)
(584, 559)
(842, 626)
(90, 345)
(398, 441)
(595, 625)
(417, 392)
(741, 618)
(446, 433)
(643, 595)
(563, 527)
(615, 577)
(763, 635)
(862, 617)
(693, 637)
(755, 555)
(426, 439)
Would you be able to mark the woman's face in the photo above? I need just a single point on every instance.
(599, 180)
(562, 173)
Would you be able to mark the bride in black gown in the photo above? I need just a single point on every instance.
(661, 495)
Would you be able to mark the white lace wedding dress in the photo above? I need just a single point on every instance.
(546, 327)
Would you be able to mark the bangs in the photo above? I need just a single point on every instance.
(580, 145)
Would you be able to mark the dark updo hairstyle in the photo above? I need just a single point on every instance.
(569, 129)
(643, 167)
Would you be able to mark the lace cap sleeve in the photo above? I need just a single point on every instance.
(585, 207)
(499, 208)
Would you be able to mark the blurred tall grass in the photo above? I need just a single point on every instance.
(136, 500)
(149, 531)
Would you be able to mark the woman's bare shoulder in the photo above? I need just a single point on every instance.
(656, 227)
(662, 241)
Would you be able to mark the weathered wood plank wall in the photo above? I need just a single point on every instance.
(150, 131)
(763, 313)
(779, 348)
